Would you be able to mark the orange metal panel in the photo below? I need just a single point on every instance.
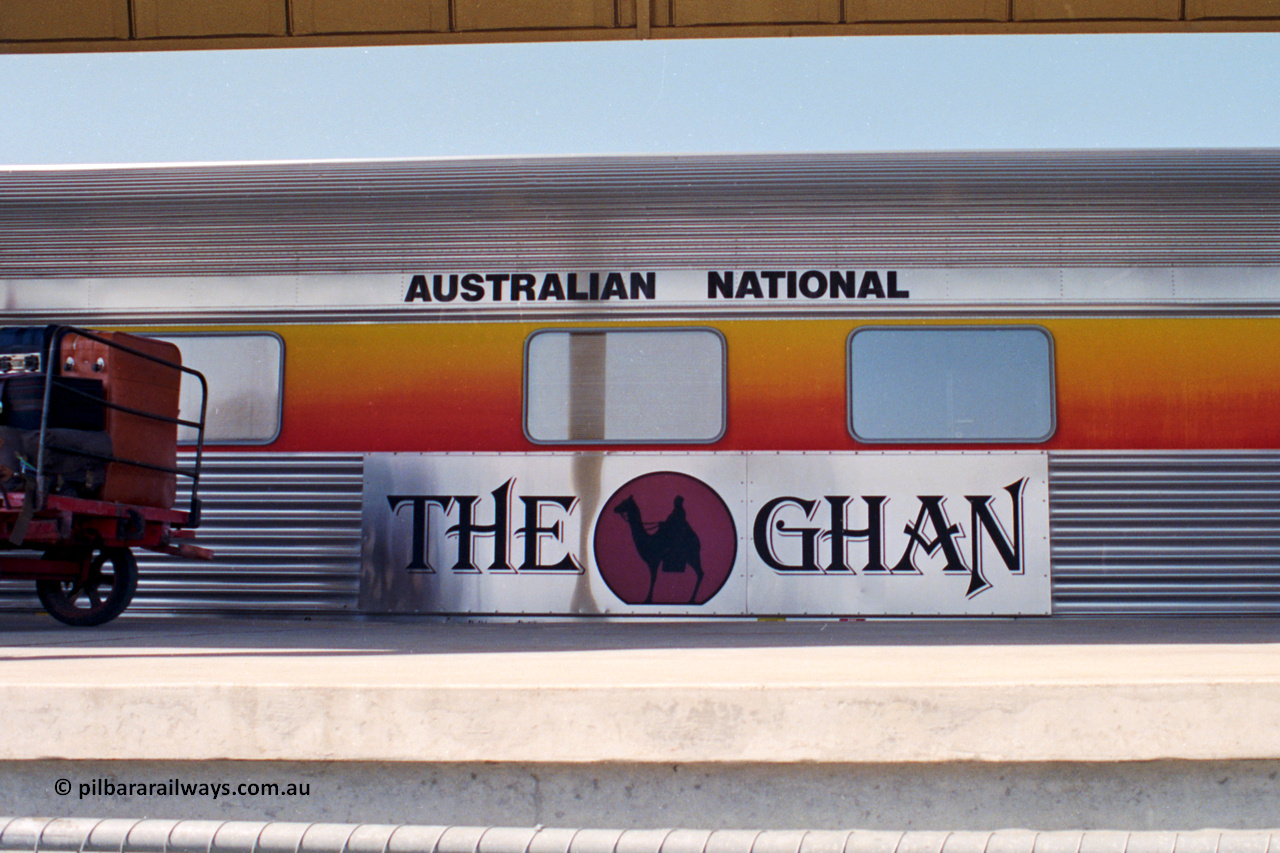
(186, 18)
(370, 16)
(533, 14)
(687, 13)
(926, 10)
(1160, 383)
(1082, 10)
(64, 19)
(140, 385)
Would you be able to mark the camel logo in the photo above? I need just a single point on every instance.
(665, 538)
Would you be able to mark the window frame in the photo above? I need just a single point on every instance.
(597, 442)
(1052, 386)
(175, 338)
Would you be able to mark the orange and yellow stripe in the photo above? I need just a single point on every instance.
(1122, 384)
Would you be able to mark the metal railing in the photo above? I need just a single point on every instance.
(52, 381)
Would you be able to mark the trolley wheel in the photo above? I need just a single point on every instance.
(113, 578)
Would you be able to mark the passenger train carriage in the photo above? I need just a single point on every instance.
(792, 385)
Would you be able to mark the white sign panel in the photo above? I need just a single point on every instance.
(556, 534)
(718, 534)
(899, 533)
(806, 287)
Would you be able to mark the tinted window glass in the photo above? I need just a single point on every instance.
(244, 373)
(625, 386)
(951, 384)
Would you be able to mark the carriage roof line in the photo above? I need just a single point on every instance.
(1059, 209)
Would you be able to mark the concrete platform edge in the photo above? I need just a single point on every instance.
(945, 796)
(783, 724)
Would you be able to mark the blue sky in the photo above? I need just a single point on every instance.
(723, 95)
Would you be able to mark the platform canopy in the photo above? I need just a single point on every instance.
(34, 26)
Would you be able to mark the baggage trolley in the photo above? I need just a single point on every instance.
(88, 465)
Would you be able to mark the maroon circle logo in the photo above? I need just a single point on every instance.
(665, 538)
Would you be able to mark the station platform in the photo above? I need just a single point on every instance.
(829, 691)
(1135, 724)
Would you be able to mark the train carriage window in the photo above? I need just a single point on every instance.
(989, 384)
(646, 386)
(245, 373)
